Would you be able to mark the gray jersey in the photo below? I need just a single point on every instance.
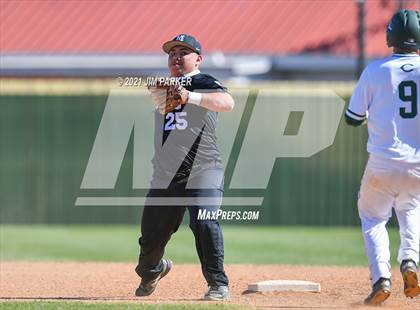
(185, 139)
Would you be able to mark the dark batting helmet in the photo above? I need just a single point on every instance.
(404, 30)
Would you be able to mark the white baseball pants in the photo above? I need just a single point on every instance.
(388, 184)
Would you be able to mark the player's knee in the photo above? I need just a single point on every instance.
(193, 225)
(203, 225)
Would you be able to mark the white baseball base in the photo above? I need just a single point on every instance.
(284, 285)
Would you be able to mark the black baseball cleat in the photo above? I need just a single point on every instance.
(380, 292)
(217, 293)
(147, 287)
(408, 270)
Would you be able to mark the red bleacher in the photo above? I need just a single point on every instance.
(279, 27)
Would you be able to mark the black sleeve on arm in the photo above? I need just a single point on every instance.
(353, 122)
(209, 83)
(354, 119)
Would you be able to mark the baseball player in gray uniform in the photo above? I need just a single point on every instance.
(194, 169)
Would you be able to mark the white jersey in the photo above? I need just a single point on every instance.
(388, 94)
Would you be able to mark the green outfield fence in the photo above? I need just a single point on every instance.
(47, 133)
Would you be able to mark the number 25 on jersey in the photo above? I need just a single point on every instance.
(176, 119)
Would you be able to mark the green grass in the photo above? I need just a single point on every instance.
(243, 244)
(116, 306)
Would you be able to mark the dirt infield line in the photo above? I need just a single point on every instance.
(341, 287)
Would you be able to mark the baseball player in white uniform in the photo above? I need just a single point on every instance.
(388, 96)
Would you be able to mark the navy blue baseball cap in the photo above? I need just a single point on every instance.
(183, 40)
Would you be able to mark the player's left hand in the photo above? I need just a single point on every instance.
(175, 96)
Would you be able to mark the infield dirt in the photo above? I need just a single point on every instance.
(341, 287)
